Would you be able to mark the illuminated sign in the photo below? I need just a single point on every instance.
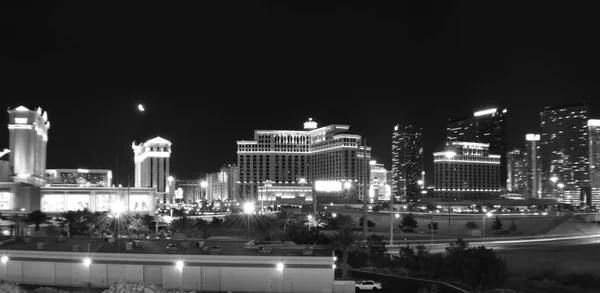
(139, 203)
(532, 137)
(5, 200)
(328, 186)
(104, 201)
(21, 120)
(53, 203)
(594, 122)
(485, 112)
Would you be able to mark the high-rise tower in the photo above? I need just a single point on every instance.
(152, 163)
(534, 165)
(564, 148)
(594, 137)
(407, 161)
(486, 126)
(28, 136)
(517, 171)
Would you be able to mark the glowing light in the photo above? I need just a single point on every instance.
(335, 258)
(594, 122)
(554, 179)
(22, 109)
(21, 120)
(397, 215)
(449, 154)
(532, 137)
(280, 267)
(302, 180)
(333, 266)
(372, 162)
(328, 186)
(6, 233)
(179, 265)
(4, 259)
(420, 182)
(485, 112)
(203, 184)
(560, 185)
(334, 215)
(116, 208)
(396, 128)
(23, 175)
(141, 108)
(83, 170)
(249, 208)
(489, 214)
(423, 173)
(347, 185)
(87, 261)
(504, 111)
(310, 124)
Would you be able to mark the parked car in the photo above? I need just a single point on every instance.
(368, 285)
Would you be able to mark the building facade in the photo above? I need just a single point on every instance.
(517, 172)
(133, 200)
(152, 164)
(380, 189)
(466, 170)
(486, 126)
(192, 191)
(564, 148)
(217, 186)
(407, 161)
(28, 136)
(299, 158)
(534, 165)
(594, 138)
(79, 177)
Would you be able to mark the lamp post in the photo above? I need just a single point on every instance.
(488, 215)
(450, 155)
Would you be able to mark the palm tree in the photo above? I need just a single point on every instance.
(69, 218)
(344, 220)
(346, 240)
(203, 224)
(137, 225)
(314, 223)
(146, 220)
(37, 218)
(284, 218)
(184, 225)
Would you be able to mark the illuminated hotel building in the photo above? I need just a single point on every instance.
(192, 191)
(517, 171)
(28, 132)
(152, 164)
(286, 163)
(466, 170)
(78, 177)
(217, 187)
(407, 161)
(564, 148)
(486, 126)
(534, 165)
(594, 138)
(380, 188)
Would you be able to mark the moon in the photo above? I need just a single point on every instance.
(141, 108)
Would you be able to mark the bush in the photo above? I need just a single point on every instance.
(471, 225)
(369, 223)
(512, 227)
(408, 223)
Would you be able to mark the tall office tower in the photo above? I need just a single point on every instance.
(407, 161)
(232, 174)
(487, 126)
(534, 165)
(564, 148)
(152, 163)
(517, 172)
(292, 160)
(466, 170)
(594, 137)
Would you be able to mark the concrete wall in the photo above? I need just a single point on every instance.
(200, 273)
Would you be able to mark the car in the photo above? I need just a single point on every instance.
(367, 285)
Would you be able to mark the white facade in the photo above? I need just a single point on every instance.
(301, 157)
(79, 177)
(133, 200)
(28, 136)
(152, 164)
(534, 173)
(380, 188)
(466, 170)
(594, 137)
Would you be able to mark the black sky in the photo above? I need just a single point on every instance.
(211, 72)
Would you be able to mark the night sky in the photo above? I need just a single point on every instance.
(211, 73)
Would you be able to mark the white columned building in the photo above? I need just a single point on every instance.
(152, 164)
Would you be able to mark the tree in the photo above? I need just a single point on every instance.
(147, 220)
(36, 218)
(471, 225)
(137, 226)
(376, 249)
(369, 222)
(408, 223)
(69, 218)
(202, 224)
(432, 226)
(314, 223)
(346, 241)
(344, 220)
(512, 227)
(478, 267)
(184, 225)
(497, 224)
(283, 217)
(216, 221)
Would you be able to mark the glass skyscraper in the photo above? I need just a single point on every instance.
(407, 161)
(487, 126)
(564, 148)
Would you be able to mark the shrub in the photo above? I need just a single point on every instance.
(471, 225)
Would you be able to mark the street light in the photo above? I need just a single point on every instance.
(249, 210)
(449, 155)
(87, 261)
(487, 215)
